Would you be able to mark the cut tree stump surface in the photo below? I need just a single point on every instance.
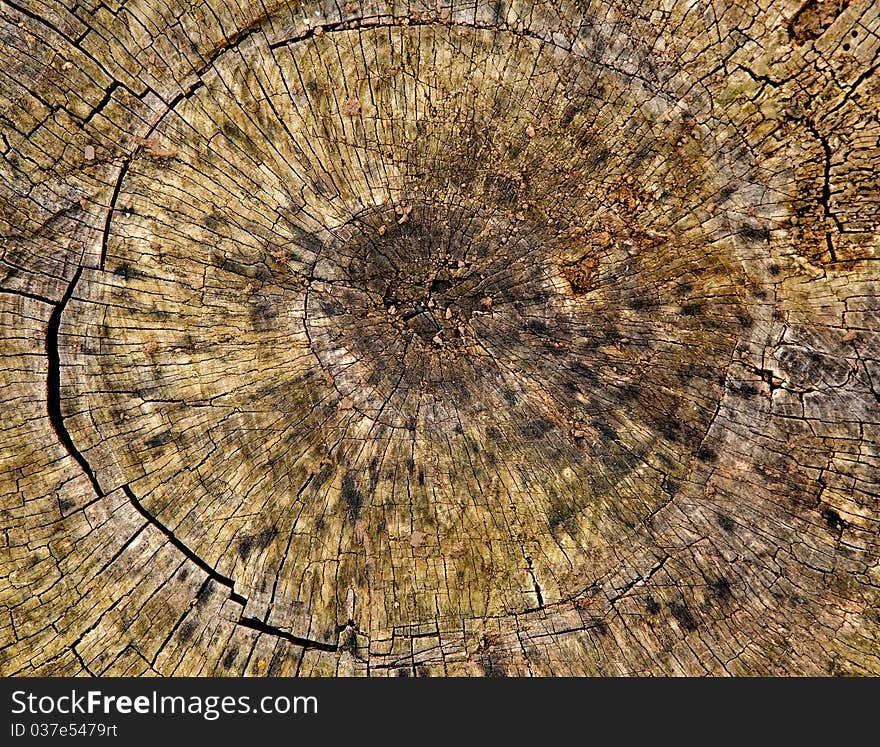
(509, 338)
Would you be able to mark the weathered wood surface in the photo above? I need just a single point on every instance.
(485, 338)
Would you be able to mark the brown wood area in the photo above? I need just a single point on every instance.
(530, 337)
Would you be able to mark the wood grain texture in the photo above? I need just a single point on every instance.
(512, 338)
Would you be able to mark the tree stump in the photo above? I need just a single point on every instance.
(500, 338)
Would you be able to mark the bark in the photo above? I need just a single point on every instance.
(512, 338)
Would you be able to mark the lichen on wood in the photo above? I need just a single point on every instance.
(513, 338)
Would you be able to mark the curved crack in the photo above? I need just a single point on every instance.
(56, 418)
(53, 384)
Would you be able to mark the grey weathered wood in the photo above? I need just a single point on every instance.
(509, 338)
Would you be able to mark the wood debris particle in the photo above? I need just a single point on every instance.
(155, 150)
(458, 550)
(351, 106)
(404, 212)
